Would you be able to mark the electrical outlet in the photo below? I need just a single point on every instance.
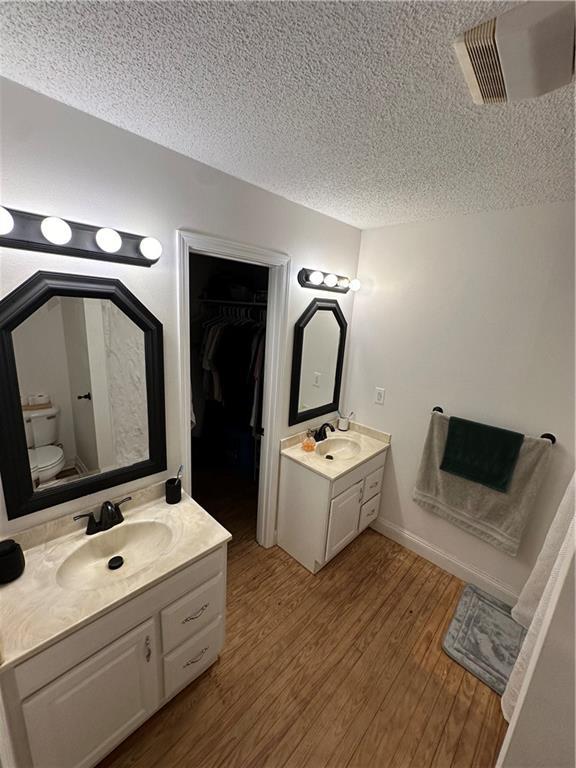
(379, 396)
(316, 381)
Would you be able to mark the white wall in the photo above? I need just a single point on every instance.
(476, 314)
(57, 160)
(42, 364)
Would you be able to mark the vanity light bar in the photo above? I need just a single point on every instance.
(33, 232)
(327, 281)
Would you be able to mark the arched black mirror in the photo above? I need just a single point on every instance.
(82, 390)
(317, 361)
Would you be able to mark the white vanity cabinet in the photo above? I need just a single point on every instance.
(70, 704)
(318, 516)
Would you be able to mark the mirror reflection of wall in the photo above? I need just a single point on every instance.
(319, 359)
(82, 380)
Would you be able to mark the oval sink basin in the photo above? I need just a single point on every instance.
(339, 448)
(137, 543)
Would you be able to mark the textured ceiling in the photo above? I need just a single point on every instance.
(357, 110)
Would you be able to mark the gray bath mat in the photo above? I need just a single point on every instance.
(484, 638)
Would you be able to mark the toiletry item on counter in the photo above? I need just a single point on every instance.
(309, 443)
(174, 487)
(344, 421)
(11, 561)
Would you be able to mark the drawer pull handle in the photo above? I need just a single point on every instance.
(196, 659)
(195, 615)
(148, 647)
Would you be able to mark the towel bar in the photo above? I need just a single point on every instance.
(545, 436)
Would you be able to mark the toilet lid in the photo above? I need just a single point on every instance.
(48, 455)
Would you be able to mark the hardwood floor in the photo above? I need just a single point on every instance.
(341, 669)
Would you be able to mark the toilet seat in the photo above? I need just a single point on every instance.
(48, 457)
(50, 461)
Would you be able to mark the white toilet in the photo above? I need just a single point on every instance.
(46, 459)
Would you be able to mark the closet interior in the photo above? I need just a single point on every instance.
(228, 303)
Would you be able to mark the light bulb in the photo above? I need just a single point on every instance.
(355, 284)
(108, 240)
(150, 248)
(56, 230)
(330, 280)
(316, 277)
(6, 221)
(344, 282)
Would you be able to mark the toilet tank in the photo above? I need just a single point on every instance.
(44, 424)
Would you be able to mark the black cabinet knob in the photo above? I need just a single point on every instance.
(87, 396)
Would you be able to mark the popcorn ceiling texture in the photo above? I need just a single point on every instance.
(357, 110)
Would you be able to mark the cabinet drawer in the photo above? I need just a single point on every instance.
(373, 484)
(369, 512)
(191, 659)
(195, 610)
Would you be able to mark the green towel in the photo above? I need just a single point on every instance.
(483, 454)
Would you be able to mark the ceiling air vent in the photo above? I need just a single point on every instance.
(523, 53)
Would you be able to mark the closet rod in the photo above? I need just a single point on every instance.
(545, 436)
(230, 302)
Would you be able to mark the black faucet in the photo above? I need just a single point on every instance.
(320, 433)
(106, 517)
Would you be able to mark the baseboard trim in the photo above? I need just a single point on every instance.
(449, 563)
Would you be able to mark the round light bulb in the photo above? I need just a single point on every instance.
(6, 221)
(355, 284)
(316, 277)
(108, 240)
(331, 281)
(150, 248)
(344, 282)
(56, 230)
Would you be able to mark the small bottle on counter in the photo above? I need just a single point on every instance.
(309, 444)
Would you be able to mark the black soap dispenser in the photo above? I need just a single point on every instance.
(11, 561)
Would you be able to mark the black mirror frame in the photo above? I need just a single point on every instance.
(19, 494)
(316, 305)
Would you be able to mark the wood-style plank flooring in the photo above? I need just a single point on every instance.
(339, 670)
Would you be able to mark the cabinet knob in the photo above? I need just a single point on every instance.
(147, 649)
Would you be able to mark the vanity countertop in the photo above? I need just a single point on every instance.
(36, 610)
(370, 442)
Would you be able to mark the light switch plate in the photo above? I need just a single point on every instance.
(379, 396)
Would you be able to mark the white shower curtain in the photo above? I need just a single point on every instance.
(534, 598)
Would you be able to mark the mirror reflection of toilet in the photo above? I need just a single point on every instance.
(46, 459)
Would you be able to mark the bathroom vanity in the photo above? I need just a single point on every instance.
(89, 653)
(329, 496)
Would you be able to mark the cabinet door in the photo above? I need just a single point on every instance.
(344, 516)
(82, 715)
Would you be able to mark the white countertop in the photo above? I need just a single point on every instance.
(35, 610)
(370, 441)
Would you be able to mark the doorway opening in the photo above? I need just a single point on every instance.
(274, 394)
(228, 313)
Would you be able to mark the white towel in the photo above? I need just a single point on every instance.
(497, 518)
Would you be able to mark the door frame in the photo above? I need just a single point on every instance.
(276, 339)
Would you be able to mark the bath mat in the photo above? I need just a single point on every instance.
(483, 637)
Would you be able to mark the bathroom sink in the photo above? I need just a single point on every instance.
(338, 448)
(138, 544)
